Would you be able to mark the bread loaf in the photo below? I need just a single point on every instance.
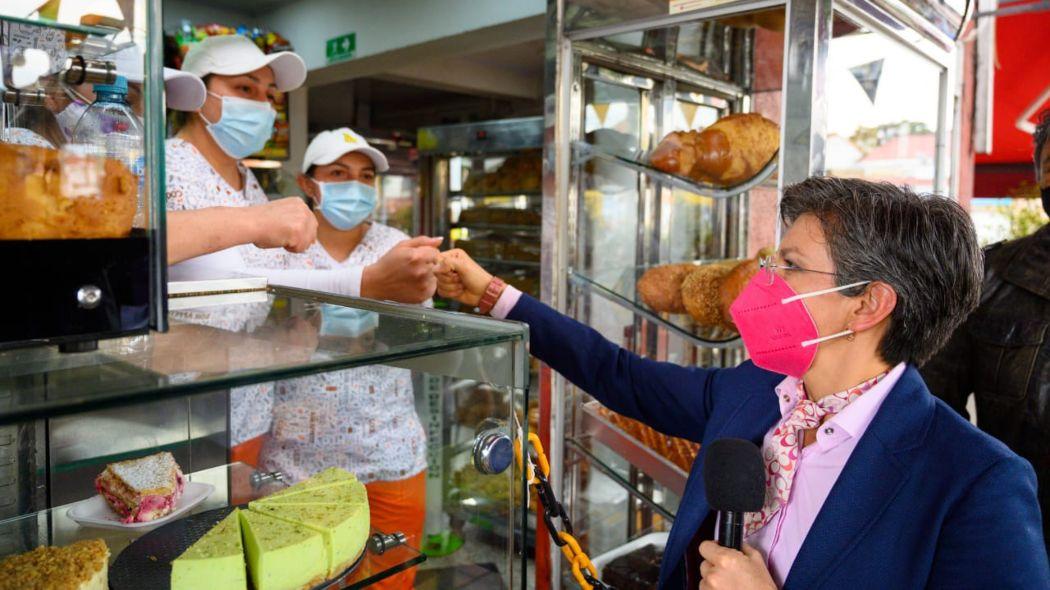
(734, 283)
(52, 194)
(661, 287)
(701, 296)
(732, 150)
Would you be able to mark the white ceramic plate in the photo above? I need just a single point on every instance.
(94, 512)
(658, 539)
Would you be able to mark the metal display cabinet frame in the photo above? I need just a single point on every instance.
(574, 55)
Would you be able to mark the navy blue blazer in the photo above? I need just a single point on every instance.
(925, 501)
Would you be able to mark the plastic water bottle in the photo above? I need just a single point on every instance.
(109, 128)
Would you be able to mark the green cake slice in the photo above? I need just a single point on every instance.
(346, 492)
(343, 526)
(281, 555)
(216, 560)
(332, 476)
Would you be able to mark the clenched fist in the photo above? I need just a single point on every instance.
(285, 223)
(405, 273)
(460, 278)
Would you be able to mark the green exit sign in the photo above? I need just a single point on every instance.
(340, 48)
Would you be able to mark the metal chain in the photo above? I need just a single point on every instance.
(582, 568)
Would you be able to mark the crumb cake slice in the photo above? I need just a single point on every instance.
(216, 560)
(84, 565)
(144, 489)
(281, 555)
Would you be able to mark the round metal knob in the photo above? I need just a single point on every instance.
(89, 296)
(380, 543)
(493, 451)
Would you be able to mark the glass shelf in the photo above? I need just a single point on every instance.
(494, 195)
(55, 527)
(620, 288)
(498, 227)
(216, 344)
(649, 461)
(72, 28)
(583, 151)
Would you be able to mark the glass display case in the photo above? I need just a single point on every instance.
(81, 140)
(621, 75)
(255, 388)
(481, 187)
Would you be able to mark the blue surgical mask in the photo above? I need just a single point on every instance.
(244, 127)
(349, 322)
(346, 204)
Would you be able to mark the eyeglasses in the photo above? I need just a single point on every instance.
(767, 265)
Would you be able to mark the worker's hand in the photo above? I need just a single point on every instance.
(405, 273)
(460, 278)
(285, 223)
(729, 569)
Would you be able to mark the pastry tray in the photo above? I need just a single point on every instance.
(146, 563)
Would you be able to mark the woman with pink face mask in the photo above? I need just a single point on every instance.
(870, 482)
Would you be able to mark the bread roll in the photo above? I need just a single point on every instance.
(701, 296)
(661, 287)
(51, 194)
(729, 152)
(734, 283)
(734, 149)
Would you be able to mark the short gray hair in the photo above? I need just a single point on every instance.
(925, 247)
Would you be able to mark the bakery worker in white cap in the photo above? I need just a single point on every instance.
(219, 218)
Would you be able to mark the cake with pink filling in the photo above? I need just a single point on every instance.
(144, 489)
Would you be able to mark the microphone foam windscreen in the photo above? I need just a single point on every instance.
(734, 475)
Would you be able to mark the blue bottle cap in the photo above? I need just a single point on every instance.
(119, 86)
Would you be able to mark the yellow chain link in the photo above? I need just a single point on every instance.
(571, 550)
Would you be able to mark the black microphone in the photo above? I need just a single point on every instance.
(735, 481)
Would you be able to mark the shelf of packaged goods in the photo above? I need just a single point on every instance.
(95, 31)
(647, 460)
(700, 336)
(498, 227)
(55, 527)
(583, 151)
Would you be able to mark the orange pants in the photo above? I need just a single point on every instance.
(399, 506)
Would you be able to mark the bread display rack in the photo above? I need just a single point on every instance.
(627, 84)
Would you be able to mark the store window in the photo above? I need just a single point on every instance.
(884, 105)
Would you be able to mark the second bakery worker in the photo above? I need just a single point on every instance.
(220, 220)
(363, 420)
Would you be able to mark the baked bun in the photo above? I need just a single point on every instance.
(734, 282)
(735, 148)
(700, 293)
(676, 153)
(731, 151)
(52, 194)
(661, 287)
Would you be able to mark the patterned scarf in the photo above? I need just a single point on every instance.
(782, 451)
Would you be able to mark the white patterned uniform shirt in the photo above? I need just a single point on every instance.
(192, 183)
(363, 420)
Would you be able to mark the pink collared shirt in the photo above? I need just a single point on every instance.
(819, 467)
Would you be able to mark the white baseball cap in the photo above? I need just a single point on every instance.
(233, 55)
(183, 91)
(329, 146)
